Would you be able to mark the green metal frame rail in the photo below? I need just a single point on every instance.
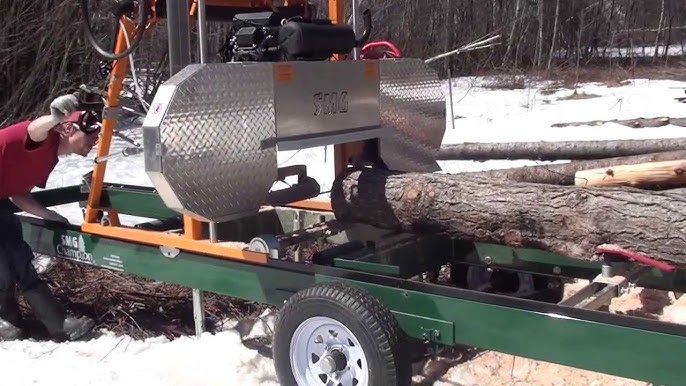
(620, 345)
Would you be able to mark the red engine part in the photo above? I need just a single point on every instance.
(379, 50)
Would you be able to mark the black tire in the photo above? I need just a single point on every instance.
(371, 323)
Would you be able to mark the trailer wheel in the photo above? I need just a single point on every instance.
(334, 334)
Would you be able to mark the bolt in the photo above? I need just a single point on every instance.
(557, 270)
(488, 260)
(435, 334)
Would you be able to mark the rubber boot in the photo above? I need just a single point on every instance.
(54, 316)
(10, 317)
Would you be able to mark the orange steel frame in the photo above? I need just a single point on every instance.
(191, 240)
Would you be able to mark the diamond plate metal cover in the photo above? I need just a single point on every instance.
(413, 102)
(207, 139)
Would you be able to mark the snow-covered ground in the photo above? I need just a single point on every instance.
(487, 115)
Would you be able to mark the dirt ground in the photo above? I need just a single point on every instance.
(491, 369)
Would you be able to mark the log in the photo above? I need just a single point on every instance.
(564, 174)
(553, 151)
(567, 220)
(648, 175)
(634, 123)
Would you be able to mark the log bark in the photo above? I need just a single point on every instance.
(568, 220)
(635, 123)
(553, 151)
(564, 174)
(648, 175)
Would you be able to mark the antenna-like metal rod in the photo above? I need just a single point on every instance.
(202, 31)
(356, 50)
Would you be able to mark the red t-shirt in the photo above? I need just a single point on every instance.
(23, 162)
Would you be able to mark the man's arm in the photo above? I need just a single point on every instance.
(60, 108)
(28, 204)
(40, 127)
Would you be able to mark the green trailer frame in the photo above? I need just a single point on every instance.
(436, 314)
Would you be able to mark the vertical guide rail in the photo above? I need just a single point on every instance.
(342, 151)
(356, 50)
(198, 295)
(109, 121)
(178, 33)
(202, 31)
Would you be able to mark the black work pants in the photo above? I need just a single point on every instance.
(16, 267)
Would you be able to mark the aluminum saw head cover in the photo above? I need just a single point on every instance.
(204, 142)
(413, 102)
(212, 131)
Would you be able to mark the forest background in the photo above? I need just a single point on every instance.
(45, 52)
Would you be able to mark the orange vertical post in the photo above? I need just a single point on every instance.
(192, 228)
(108, 123)
(337, 11)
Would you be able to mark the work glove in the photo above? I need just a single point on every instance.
(61, 107)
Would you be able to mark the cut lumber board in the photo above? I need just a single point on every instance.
(651, 174)
(564, 174)
(567, 220)
(553, 151)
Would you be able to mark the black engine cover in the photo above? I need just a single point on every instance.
(310, 41)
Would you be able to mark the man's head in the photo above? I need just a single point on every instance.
(79, 133)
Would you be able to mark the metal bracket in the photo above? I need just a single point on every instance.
(299, 224)
(603, 289)
(169, 252)
(86, 182)
(111, 112)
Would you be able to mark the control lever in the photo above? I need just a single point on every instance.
(125, 138)
(126, 152)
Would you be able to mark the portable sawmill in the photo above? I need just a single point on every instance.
(359, 309)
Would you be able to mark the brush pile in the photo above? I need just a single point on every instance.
(131, 305)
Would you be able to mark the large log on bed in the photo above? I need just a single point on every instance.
(568, 220)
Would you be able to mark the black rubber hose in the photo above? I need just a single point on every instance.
(143, 13)
(367, 20)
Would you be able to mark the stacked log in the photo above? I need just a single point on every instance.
(551, 151)
(565, 174)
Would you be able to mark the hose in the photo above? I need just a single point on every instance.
(143, 14)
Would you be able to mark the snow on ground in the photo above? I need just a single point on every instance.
(218, 359)
(524, 115)
(488, 115)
